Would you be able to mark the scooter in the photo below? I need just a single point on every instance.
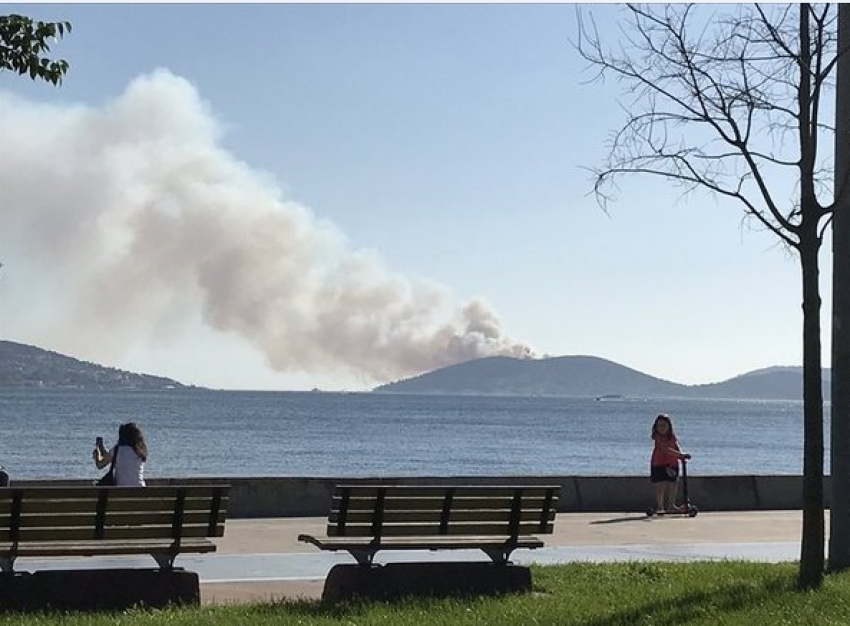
(686, 508)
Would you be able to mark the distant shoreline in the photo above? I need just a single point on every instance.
(24, 366)
(199, 389)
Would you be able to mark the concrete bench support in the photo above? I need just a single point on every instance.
(398, 580)
(97, 589)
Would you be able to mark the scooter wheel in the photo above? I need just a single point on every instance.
(692, 511)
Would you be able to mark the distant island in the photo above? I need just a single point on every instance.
(592, 377)
(24, 366)
(30, 367)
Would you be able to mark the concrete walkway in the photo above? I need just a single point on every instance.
(261, 559)
(278, 566)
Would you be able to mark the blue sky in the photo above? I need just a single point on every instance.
(411, 159)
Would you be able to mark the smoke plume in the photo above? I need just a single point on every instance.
(135, 221)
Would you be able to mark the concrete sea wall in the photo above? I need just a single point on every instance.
(311, 497)
(303, 496)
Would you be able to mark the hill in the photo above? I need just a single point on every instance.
(772, 383)
(588, 376)
(24, 366)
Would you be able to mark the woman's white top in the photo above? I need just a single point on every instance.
(129, 468)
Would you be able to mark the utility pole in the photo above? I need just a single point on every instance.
(839, 512)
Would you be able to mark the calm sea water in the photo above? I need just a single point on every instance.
(50, 434)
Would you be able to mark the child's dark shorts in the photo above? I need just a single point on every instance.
(663, 473)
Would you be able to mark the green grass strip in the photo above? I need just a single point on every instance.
(618, 594)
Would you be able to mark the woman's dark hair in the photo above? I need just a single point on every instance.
(130, 435)
(666, 418)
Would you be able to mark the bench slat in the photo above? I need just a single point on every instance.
(89, 518)
(404, 530)
(110, 532)
(76, 492)
(394, 502)
(438, 491)
(423, 542)
(37, 532)
(96, 548)
(38, 506)
(436, 516)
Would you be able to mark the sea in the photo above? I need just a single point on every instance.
(50, 434)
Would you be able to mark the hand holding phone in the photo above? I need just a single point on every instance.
(99, 450)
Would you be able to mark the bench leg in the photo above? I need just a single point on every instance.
(165, 560)
(499, 556)
(363, 556)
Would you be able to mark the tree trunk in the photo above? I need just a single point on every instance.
(812, 543)
(839, 512)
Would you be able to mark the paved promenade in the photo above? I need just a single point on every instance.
(261, 559)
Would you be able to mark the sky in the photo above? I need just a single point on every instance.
(335, 196)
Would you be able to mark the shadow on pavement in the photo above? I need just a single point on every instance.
(617, 520)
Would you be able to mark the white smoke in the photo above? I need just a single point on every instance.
(138, 220)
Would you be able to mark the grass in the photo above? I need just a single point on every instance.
(627, 594)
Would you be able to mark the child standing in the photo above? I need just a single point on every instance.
(664, 465)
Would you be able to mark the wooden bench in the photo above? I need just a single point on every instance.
(496, 519)
(162, 521)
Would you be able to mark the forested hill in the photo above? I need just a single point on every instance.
(588, 376)
(23, 366)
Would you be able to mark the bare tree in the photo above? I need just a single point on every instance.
(731, 99)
